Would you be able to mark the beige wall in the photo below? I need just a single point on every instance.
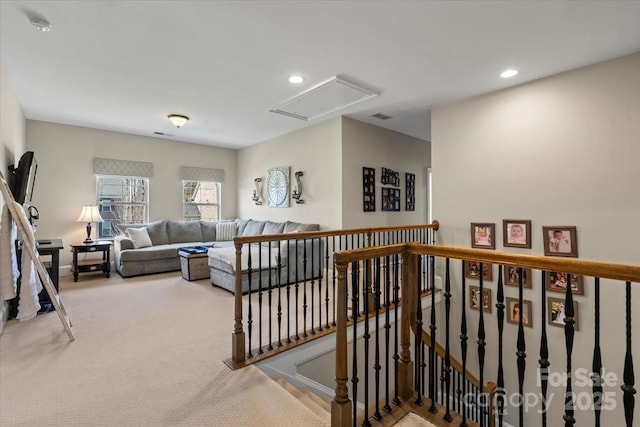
(372, 146)
(316, 152)
(560, 151)
(65, 180)
(12, 140)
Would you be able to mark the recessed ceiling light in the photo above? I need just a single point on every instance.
(296, 79)
(508, 73)
(40, 24)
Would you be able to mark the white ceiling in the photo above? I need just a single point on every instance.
(123, 66)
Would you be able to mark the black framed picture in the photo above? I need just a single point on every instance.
(368, 189)
(410, 190)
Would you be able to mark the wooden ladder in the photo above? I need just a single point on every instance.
(18, 215)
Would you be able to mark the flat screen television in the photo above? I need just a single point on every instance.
(23, 178)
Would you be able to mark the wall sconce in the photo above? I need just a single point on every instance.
(297, 193)
(257, 193)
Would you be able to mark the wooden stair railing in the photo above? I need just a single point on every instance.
(409, 390)
(279, 314)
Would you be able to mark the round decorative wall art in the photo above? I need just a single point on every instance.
(278, 187)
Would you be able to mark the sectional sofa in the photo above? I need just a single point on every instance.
(153, 248)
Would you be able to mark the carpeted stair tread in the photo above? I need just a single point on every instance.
(306, 397)
(324, 403)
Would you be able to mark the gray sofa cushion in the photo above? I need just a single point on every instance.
(271, 227)
(291, 227)
(158, 233)
(184, 231)
(253, 228)
(208, 230)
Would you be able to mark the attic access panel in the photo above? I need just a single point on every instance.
(327, 97)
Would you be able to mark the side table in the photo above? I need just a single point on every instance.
(95, 264)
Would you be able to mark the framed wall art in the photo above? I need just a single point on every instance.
(368, 189)
(483, 235)
(472, 270)
(512, 276)
(410, 190)
(516, 233)
(390, 177)
(390, 199)
(556, 313)
(475, 300)
(557, 282)
(560, 240)
(278, 187)
(514, 311)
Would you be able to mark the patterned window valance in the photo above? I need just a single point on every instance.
(188, 173)
(122, 167)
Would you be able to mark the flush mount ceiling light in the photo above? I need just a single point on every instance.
(178, 120)
(295, 79)
(508, 73)
(327, 97)
(40, 24)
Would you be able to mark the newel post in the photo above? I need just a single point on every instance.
(237, 338)
(341, 405)
(409, 295)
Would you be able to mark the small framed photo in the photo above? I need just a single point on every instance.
(475, 300)
(472, 270)
(516, 233)
(515, 311)
(556, 315)
(557, 282)
(512, 276)
(483, 235)
(560, 240)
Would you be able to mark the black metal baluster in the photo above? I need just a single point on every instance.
(270, 293)
(317, 264)
(481, 340)
(305, 306)
(260, 351)
(250, 313)
(628, 375)
(521, 353)
(333, 279)
(544, 351)
(447, 351)
(366, 341)
(326, 275)
(463, 345)
(396, 356)
(387, 327)
(596, 366)
(500, 315)
(377, 367)
(297, 291)
(432, 327)
(569, 331)
(279, 284)
(289, 293)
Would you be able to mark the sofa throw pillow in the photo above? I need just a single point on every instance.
(139, 237)
(225, 231)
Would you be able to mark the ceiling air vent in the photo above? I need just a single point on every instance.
(381, 116)
(327, 97)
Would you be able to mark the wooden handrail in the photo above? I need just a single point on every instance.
(329, 233)
(604, 270)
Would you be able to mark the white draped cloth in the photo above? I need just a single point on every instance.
(30, 284)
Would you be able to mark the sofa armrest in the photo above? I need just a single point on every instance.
(121, 243)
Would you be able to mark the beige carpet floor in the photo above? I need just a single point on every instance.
(149, 351)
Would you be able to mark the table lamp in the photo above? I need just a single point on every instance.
(89, 214)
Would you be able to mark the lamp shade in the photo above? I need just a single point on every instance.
(90, 214)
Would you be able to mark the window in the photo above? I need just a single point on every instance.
(201, 200)
(122, 200)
